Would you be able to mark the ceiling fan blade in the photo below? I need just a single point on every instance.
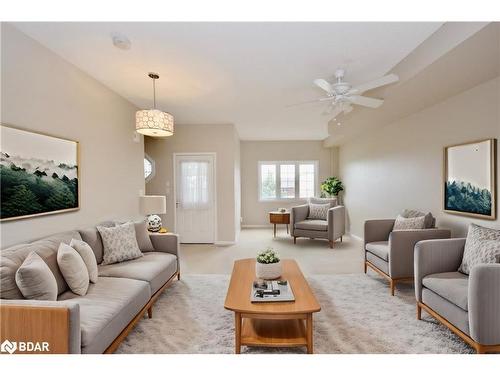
(323, 84)
(366, 101)
(390, 78)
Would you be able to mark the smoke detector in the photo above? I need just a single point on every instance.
(121, 41)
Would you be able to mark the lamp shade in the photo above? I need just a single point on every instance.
(154, 123)
(152, 204)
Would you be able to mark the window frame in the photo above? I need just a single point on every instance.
(278, 164)
(153, 168)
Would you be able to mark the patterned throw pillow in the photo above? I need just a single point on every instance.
(429, 221)
(318, 211)
(404, 223)
(481, 246)
(120, 243)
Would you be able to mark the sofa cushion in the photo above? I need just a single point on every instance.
(452, 286)
(379, 248)
(451, 312)
(154, 267)
(91, 236)
(321, 225)
(481, 246)
(119, 243)
(73, 269)
(378, 262)
(107, 308)
(11, 259)
(88, 257)
(35, 280)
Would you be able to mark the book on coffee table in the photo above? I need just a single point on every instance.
(271, 291)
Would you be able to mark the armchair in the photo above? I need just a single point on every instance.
(468, 305)
(390, 253)
(331, 229)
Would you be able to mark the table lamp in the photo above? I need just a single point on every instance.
(151, 206)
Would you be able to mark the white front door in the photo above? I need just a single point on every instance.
(194, 197)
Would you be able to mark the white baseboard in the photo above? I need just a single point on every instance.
(355, 237)
(250, 226)
(224, 243)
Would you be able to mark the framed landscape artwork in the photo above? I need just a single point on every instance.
(470, 179)
(39, 174)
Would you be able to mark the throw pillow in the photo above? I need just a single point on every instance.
(88, 257)
(318, 211)
(35, 280)
(120, 243)
(142, 236)
(403, 223)
(73, 269)
(481, 246)
(429, 219)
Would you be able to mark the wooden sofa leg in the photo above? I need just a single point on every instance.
(294, 240)
(331, 244)
(150, 312)
(392, 284)
(179, 275)
(366, 267)
(419, 312)
(340, 238)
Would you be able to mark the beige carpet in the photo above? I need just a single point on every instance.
(314, 256)
(358, 316)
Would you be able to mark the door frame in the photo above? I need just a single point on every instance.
(175, 157)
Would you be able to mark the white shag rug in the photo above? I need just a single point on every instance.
(358, 315)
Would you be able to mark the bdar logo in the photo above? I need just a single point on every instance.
(8, 347)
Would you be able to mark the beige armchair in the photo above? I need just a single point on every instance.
(390, 253)
(331, 229)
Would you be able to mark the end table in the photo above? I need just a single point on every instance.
(277, 217)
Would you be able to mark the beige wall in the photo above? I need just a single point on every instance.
(42, 92)
(400, 165)
(221, 139)
(255, 212)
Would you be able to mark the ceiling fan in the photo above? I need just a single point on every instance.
(341, 94)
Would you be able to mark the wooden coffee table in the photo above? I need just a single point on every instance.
(281, 324)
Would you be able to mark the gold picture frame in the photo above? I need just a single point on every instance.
(69, 187)
(468, 187)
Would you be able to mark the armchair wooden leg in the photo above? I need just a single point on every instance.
(340, 238)
(331, 244)
(294, 239)
(392, 285)
(419, 312)
(366, 267)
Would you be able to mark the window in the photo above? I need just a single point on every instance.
(268, 181)
(287, 180)
(149, 168)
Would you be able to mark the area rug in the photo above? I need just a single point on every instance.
(358, 315)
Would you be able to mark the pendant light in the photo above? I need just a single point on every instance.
(153, 122)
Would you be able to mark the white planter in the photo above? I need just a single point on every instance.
(268, 271)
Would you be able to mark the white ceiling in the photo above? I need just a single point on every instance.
(240, 73)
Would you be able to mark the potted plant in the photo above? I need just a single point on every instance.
(331, 187)
(268, 265)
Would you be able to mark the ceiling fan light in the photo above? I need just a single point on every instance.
(154, 123)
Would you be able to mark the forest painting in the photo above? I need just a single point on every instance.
(38, 174)
(470, 179)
